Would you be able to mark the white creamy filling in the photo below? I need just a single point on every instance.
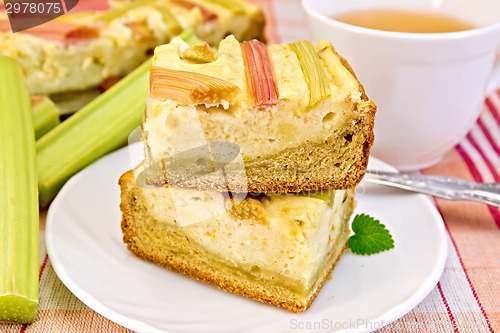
(259, 133)
(174, 132)
(298, 234)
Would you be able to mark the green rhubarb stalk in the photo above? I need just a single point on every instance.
(18, 199)
(45, 115)
(100, 127)
(314, 72)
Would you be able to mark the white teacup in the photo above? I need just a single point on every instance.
(429, 87)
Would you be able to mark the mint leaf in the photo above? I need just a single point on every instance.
(370, 236)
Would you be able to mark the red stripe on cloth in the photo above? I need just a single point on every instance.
(488, 136)
(470, 164)
(471, 286)
(42, 268)
(487, 161)
(493, 110)
(496, 214)
(450, 314)
(478, 178)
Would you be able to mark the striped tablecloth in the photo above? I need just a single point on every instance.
(467, 297)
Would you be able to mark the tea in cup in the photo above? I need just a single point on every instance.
(425, 63)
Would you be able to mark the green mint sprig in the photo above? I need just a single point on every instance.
(370, 236)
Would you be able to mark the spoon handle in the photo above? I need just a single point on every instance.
(439, 186)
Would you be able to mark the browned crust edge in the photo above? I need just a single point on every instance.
(370, 109)
(227, 284)
(270, 185)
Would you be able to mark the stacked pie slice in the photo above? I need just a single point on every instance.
(252, 154)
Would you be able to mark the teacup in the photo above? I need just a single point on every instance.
(429, 87)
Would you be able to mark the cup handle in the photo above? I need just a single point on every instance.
(494, 82)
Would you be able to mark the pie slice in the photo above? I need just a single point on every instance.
(296, 113)
(274, 248)
(100, 39)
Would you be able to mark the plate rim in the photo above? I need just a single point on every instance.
(389, 316)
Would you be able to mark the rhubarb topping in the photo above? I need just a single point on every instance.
(259, 72)
(313, 70)
(201, 53)
(205, 13)
(81, 33)
(63, 32)
(187, 88)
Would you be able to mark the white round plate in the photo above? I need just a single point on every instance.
(84, 242)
